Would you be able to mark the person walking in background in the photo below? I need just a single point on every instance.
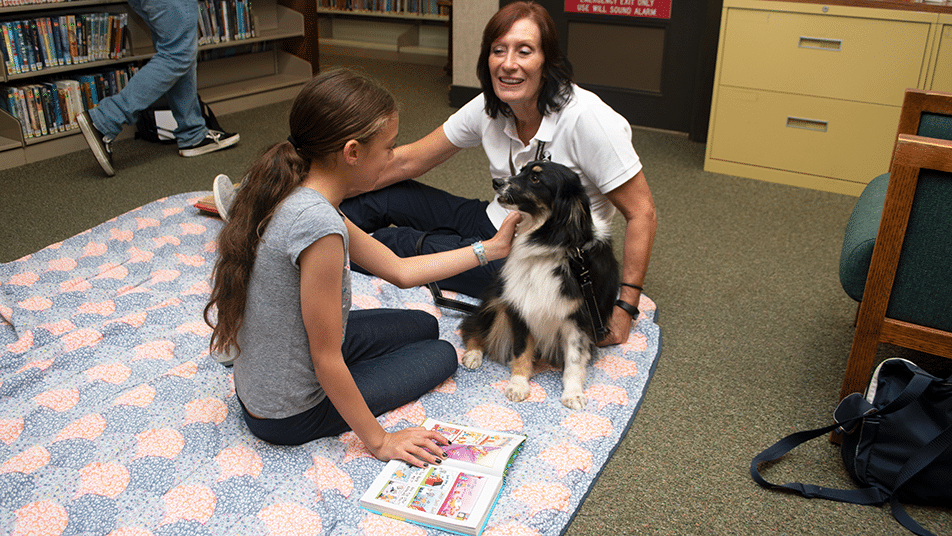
(170, 72)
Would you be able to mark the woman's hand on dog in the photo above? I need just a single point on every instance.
(620, 326)
(416, 446)
(498, 246)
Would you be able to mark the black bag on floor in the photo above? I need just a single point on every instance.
(897, 441)
(156, 124)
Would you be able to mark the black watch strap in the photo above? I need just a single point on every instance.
(628, 308)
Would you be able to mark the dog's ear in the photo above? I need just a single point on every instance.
(571, 210)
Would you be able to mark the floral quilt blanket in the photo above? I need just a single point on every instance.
(114, 419)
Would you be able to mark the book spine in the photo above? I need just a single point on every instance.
(38, 105)
(81, 38)
(253, 32)
(54, 37)
(55, 107)
(10, 104)
(11, 60)
(71, 34)
(114, 34)
(203, 29)
(37, 43)
(48, 52)
(226, 21)
(103, 37)
(25, 123)
(213, 16)
(75, 96)
(64, 40)
(51, 39)
(37, 27)
(69, 121)
(25, 54)
(121, 50)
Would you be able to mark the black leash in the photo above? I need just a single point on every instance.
(438, 297)
(579, 265)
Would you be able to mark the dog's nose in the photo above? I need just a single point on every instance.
(498, 183)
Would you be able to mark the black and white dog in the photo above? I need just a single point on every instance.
(554, 291)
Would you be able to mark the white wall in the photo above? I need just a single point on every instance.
(469, 19)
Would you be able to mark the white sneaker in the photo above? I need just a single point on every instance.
(226, 359)
(224, 193)
(215, 140)
(100, 145)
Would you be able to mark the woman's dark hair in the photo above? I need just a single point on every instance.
(556, 71)
(333, 108)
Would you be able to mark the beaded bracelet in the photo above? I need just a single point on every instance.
(480, 252)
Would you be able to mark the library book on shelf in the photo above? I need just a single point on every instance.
(457, 495)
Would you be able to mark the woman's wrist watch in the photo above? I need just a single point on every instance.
(628, 308)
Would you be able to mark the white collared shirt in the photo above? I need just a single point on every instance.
(586, 135)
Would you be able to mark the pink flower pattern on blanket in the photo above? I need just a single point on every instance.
(105, 479)
(41, 518)
(89, 427)
(115, 421)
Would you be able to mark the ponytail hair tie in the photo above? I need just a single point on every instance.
(293, 142)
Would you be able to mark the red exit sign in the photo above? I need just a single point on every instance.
(656, 9)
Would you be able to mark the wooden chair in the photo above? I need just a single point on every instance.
(907, 297)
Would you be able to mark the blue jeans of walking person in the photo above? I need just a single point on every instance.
(170, 72)
(400, 214)
(395, 357)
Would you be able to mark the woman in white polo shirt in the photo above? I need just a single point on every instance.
(529, 110)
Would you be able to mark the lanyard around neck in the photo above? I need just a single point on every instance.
(540, 155)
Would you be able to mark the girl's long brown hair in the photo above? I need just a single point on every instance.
(333, 108)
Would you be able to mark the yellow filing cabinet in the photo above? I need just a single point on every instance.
(942, 72)
(809, 94)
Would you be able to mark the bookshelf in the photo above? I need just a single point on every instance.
(412, 32)
(232, 75)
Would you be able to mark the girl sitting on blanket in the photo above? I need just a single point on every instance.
(307, 366)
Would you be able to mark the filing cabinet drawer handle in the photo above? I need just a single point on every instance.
(820, 43)
(808, 124)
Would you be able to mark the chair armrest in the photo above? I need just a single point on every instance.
(860, 237)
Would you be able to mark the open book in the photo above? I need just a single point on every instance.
(457, 495)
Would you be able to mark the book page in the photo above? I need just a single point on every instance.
(475, 448)
(439, 496)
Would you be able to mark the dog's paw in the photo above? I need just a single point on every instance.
(518, 389)
(576, 400)
(472, 359)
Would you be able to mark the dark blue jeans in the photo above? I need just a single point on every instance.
(395, 357)
(400, 214)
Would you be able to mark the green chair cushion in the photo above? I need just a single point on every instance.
(860, 237)
(922, 292)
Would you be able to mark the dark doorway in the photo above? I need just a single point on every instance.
(657, 72)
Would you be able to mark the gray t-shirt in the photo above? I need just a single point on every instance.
(274, 375)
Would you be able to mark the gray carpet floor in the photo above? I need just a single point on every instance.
(755, 327)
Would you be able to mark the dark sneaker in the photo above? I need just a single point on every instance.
(100, 145)
(215, 140)
(224, 193)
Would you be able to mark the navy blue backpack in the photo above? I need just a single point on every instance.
(896, 441)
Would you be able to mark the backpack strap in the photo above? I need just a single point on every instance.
(870, 495)
(211, 122)
(919, 461)
(848, 413)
